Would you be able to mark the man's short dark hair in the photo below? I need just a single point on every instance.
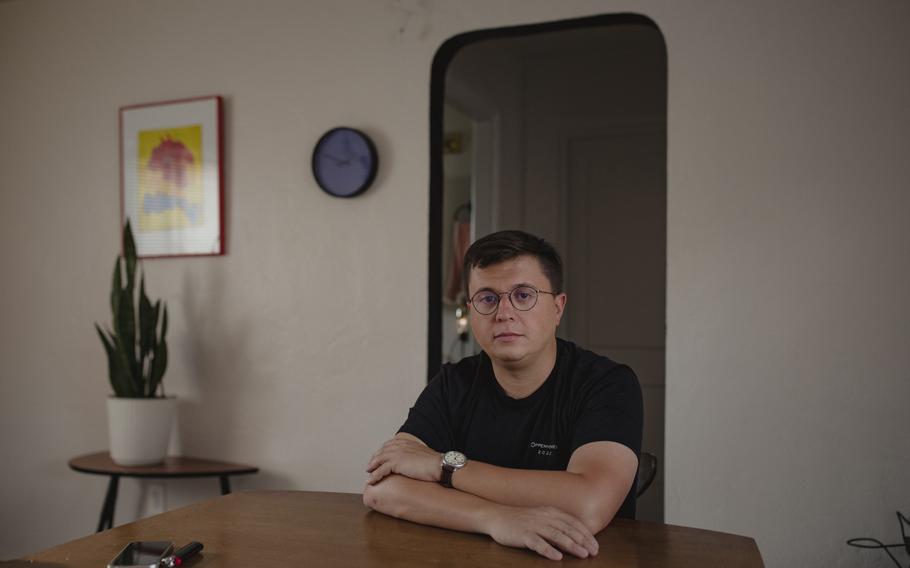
(506, 245)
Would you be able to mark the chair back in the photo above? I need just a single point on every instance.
(647, 470)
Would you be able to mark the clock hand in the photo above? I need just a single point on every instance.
(338, 161)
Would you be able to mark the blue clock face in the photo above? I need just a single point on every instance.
(344, 162)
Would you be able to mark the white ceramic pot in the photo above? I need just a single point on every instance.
(140, 429)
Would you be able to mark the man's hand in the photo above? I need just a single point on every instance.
(407, 457)
(543, 530)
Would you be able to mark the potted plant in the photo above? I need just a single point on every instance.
(140, 416)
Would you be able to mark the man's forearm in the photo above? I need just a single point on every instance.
(592, 489)
(567, 491)
(545, 530)
(429, 503)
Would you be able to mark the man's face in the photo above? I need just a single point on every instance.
(510, 336)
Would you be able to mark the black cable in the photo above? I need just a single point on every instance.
(878, 544)
(875, 543)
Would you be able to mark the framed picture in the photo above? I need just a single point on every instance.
(171, 176)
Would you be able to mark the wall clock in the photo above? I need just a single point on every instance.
(345, 162)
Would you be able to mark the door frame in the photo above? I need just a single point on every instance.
(441, 61)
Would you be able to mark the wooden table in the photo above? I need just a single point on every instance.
(293, 528)
(173, 467)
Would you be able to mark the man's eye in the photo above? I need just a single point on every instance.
(487, 299)
(522, 295)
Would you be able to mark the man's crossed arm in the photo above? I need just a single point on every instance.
(546, 511)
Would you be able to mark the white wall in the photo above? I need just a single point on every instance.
(788, 270)
(789, 275)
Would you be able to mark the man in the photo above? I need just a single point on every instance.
(535, 441)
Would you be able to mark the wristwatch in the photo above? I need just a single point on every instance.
(450, 462)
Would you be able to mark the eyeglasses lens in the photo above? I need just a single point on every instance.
(523, 298)
(485, 302)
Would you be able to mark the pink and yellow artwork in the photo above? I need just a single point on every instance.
(170, 178)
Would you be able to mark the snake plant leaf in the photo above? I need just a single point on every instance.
(164, 323)
(125, 327)
(129, 253)
(116, 285)
(118, 375)
(147, 323)
(156, 313)
(133, 382)
(156, 317)
(159, 365)
(109, 350)
(137, 358)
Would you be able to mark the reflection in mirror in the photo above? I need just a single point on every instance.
(456, 232)
(560, 129)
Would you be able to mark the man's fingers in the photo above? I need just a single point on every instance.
(380, 472)
(543, 548)
(377, 459)
(396, 443)
(564, 541)
(586, 538)
(404, 457)
(582, 536)
(577, 536)
(382, 455)
(374, 459)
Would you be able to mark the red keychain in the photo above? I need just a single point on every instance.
(182, 555)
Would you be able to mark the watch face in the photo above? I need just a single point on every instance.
(344, 162)
(455, 459)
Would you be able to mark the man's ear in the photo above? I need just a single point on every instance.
(560, 300)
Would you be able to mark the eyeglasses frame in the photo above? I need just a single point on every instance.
(509, 293)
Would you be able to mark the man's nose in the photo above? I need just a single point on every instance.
(505, 309)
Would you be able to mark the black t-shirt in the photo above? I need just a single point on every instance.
(586, 398)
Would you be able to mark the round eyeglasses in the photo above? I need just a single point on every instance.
(523, 298)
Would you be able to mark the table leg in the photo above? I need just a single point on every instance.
(110, 502)
(225, 484)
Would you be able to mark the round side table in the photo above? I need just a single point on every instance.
(173, 467)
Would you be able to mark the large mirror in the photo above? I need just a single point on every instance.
(559, 129)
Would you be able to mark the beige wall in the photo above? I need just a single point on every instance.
(788, 274)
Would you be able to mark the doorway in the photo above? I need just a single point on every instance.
(562, 132)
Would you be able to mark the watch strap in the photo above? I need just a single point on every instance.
(446, 478)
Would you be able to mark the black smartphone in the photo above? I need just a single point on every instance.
(144, 554)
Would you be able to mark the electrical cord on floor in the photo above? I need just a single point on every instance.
(875, 543)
